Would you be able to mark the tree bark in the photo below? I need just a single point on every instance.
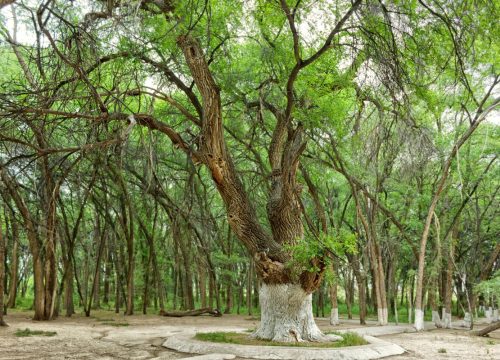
(14, 267)
(2, 274)
(286, 314)
(283, 207)
(334, 315)
(485, 331)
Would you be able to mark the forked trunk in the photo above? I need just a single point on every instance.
(286, 315)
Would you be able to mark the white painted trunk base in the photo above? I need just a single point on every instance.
(467, 320)
(446, 319)
(382, 316)
(436, 319)
(419, 320)
(286, 315)
(334, 317)
(488, 313)
(495, 315)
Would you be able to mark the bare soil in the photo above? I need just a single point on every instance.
(106, 335)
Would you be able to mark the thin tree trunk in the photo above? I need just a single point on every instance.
(334, 315)
(2, 274)
(360, 280)
(479, 117)
(249, 287)
(449, 281)
(14, 267)
(68, 290)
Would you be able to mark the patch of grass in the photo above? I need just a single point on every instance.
(116, 324)
(349, 339)
(28, 332)
(105, 319)
(490, 342)
(442, 351)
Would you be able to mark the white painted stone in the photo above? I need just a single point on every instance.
(286, 315)
(334, 317)
(419, 320)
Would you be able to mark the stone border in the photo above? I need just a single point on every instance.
(376, 349)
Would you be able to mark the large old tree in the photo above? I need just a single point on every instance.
(188, 70)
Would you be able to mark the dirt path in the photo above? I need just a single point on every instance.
(106, 335)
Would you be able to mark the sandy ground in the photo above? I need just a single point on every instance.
(95, 337)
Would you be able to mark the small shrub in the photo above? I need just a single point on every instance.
(28, 332)
(442, 351)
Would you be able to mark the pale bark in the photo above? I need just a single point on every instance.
(287, 315)
(419, 319)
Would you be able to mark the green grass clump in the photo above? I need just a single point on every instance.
(442, 351)
(28, 332)
(348, 339)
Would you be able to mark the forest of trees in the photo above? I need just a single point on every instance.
(285, 158)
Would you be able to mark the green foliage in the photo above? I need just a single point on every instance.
(490, 288)
(307, 249)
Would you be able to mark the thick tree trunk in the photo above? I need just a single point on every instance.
(286, 314)
(284, 318)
